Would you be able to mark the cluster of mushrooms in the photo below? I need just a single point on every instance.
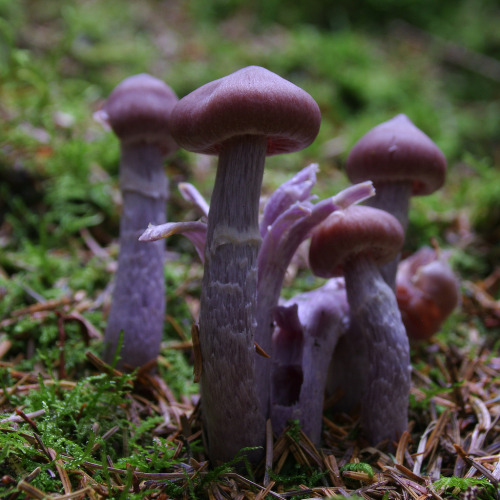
(262, 358)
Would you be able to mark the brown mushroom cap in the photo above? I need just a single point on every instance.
(354, 232)
(251, 101)
(138, 110)
(397, 151)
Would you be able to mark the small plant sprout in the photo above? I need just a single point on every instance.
(138, 112)
(401, 161)
(241, 118)
(427, 292)
(355, 242)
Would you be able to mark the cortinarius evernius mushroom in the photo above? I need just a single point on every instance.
(138, 111)
(354, 243)
(308, 328)
(242, 118)
(427, 291)
(401, 161)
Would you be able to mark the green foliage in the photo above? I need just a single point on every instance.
(486, 489)
(68, 424)
(326, 15)
(358, 467)
(296, 475)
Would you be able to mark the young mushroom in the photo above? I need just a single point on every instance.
(138, 112)
(308, 328)
(401, 161)
(427, 292)
(242, 118)
(354, 243)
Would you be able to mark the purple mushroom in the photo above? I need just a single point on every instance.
(355, 242)
(241, 118)
(282, 239)
(401, 161)
(288, 219)
(308, 329)
(138, 111)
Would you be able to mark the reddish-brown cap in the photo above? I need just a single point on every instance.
(251, 101)
(138, 110)
(427, 292)
(353, 232)
(397, 151)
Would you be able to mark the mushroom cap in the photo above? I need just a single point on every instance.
(397, 151)
(427, 292)
(251, 101)
(138, 110)
(354, 232)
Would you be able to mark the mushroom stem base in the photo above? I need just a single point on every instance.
(376, 317)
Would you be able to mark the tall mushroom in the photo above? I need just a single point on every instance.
(242, 118)
(138, 111)
(401, 161)
(355, 242)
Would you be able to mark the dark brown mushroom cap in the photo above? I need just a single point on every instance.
(354, 232)
(396, 151)
(251, 101)
(138, 110)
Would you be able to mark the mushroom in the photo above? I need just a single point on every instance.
(280, 243)
(242, 118)
(355, 242)
(427, 292)
(288, 219)
(308, 328)
(138, 112)
(401, 161)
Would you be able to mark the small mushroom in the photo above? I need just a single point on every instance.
(401, 161)
(427, 292)
(138, 112)
(308, 328)
(242, 118)
(354, 243)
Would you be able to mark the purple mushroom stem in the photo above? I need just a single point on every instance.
(346, 375)
(138, 111)
(384, 414)
(281, 242)
(402, 162)
(355, 242)
(308, 326)
(191, 194)
(138, 303)
(427, 291)
(241, 118)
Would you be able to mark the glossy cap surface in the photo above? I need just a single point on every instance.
(251, 101)
(397, 151)
(353, 232)
(138, 110)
